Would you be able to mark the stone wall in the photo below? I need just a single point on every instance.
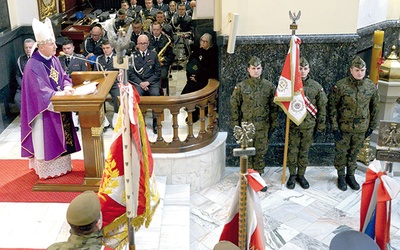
(329, 57)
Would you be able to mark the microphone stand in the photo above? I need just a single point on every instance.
(86, 60)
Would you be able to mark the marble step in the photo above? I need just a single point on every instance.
(172, 216)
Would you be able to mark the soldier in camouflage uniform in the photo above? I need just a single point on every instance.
(354, 111)
(301, 137)
(84, 217)
(252, 101)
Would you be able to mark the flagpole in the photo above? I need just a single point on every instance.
(293, 27)
(243, 203)
(243, 136)
(121, 63)
(285, 151)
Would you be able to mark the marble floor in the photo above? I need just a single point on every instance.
(294, 219)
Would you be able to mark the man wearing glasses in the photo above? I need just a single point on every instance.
(145, 71)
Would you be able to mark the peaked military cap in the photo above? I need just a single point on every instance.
(84, 209)
(254, 61)
(303, 62)
(358, 63)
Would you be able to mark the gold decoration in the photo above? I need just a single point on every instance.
(54, 74)
(96, 131)
(63, 7)
(390, 69)
(366, 154)
(47, 8)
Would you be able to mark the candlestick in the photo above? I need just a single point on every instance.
(376, 55)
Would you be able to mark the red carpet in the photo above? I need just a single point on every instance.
(16, 182)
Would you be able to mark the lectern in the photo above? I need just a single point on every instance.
(91, 116)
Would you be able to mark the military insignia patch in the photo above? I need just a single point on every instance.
(283, 84)
(296, 105)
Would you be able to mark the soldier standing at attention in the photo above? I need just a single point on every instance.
(252, 101)
(301, 137)
(354, 111)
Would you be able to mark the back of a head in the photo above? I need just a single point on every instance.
(352, 240)
(225, 245)
(84, 209)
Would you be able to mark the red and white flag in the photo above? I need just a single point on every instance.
(135, 194)
(289, 92)
(378, 190)
(255, 222)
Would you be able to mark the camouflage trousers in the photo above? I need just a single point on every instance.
(300, 141)
(346, 151)
(260, 142)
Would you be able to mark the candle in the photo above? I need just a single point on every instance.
(376, 55)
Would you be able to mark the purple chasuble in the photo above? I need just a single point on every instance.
(36, 91)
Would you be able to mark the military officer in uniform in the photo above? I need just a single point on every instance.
(122, 21)
(252, 101)
(149, 12)
(145, 72)
(71, 62)
(137, 30)
(161, 44)
(106, 61)
(354, 110)
(92, 44)
(21, 62)
(301, 137)
(84, 217)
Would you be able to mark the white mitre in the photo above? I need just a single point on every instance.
(43, 31)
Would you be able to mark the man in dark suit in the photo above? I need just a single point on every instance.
(70, 62)
(145, 71)
(161, 44)
(21, 62)
(106, 61)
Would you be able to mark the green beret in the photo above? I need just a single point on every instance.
(303, 62)
(84, 209)
(358, 63)
(254, 61)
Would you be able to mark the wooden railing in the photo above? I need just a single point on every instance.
(206, 97)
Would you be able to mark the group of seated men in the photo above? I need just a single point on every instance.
(151, 50)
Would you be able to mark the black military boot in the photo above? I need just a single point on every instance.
(341, 182)
(302, 181)
(353, 184)
(291, 182)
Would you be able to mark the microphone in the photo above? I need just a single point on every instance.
(86, 60)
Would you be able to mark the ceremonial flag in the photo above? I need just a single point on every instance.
(140, 180)
(289, 92)
(377, 192)
(255, 222)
